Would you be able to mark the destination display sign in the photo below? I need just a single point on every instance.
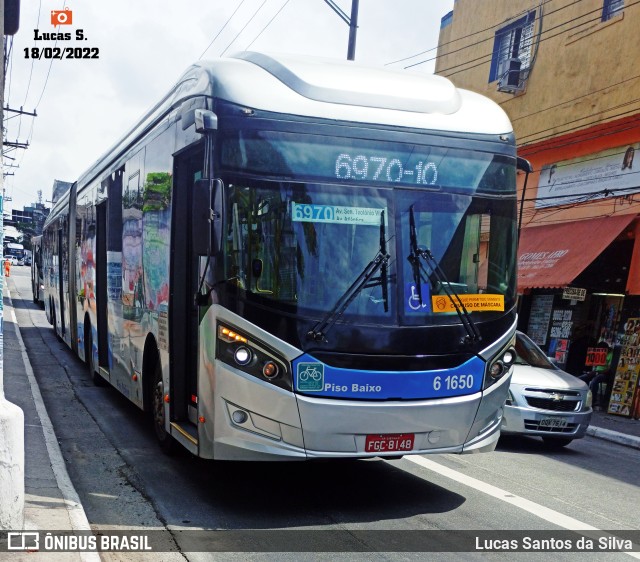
(364, 161)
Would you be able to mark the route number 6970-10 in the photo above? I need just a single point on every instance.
(453, 382)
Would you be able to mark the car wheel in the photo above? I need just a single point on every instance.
(556, 442)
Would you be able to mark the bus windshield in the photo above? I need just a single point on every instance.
(299, 240)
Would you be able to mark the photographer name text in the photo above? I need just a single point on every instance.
(56, 52)
(601, 544)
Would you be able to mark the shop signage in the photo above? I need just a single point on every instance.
(596, 356)
(574, 294)
(623, 394)
(539, 318)
(597, 174)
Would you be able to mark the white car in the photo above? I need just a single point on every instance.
(543, 400)
(12, 259)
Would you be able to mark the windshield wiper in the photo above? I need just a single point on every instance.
(363, 281)
(416, 253)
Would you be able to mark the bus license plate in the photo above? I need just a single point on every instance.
(556, 423)
(389, 443)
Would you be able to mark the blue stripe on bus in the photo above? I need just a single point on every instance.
(314, 378)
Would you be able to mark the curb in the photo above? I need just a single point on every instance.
(614, 436)
(75, 510)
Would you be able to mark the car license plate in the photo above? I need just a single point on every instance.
(555, 423)
(390, 443)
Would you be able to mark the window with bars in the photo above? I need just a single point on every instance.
(513, 41)
(611, 8)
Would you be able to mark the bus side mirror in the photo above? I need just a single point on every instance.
(524, 165)
(206, 226)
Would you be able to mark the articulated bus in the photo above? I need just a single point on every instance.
(292, 258)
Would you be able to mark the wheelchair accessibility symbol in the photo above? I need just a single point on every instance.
(412, 302)
(310, 377)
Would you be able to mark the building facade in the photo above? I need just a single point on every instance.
(568, 75)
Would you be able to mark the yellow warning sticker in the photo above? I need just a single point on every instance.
(473, 303)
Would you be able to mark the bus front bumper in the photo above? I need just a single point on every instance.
(278, 425)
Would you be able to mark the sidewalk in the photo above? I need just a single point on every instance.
(51, 502)
(624, 431)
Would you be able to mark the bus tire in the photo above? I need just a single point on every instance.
(53, 323)
(88, 357)
(166, 442)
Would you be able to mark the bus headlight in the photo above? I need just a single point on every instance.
(253, 357)
(242, 355)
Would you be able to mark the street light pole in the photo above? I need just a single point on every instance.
(353, 30)
(352, 22)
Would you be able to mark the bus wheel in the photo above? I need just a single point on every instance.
(88, 357)
(53, 322)
(167, 443)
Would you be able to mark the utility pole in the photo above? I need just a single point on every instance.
(353, 30)
(352, 22)
(11, 416)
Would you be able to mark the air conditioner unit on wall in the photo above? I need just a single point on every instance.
(511, 79)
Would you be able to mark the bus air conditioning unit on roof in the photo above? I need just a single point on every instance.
(509, 72)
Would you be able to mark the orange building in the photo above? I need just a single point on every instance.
(568, 75)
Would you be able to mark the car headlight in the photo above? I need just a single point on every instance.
(589, 400)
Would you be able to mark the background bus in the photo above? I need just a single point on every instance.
(290, 258)
(16, 250)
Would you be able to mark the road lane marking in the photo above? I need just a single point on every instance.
(536, 509)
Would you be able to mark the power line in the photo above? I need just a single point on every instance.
(489, 55)
(566, 123)
(244, 27)
(497, 25)
(572, 100)
(222, 28)
(586, 136)
(490, 38)
(268, 24)
(547, 31)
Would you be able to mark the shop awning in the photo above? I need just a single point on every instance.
(554, 255)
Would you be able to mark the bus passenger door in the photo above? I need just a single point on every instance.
(183, 313)
(61, 281)
(101, 285)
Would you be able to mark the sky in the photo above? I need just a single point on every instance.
(84, 106)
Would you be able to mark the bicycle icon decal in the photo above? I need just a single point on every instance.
(310, 377)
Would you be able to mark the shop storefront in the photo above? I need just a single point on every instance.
(574, 279)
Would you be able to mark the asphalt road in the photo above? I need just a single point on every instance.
(125, 482)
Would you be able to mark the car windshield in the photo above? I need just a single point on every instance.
(528, 353)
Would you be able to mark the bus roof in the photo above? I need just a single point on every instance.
(323, 88)
(340, 89)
